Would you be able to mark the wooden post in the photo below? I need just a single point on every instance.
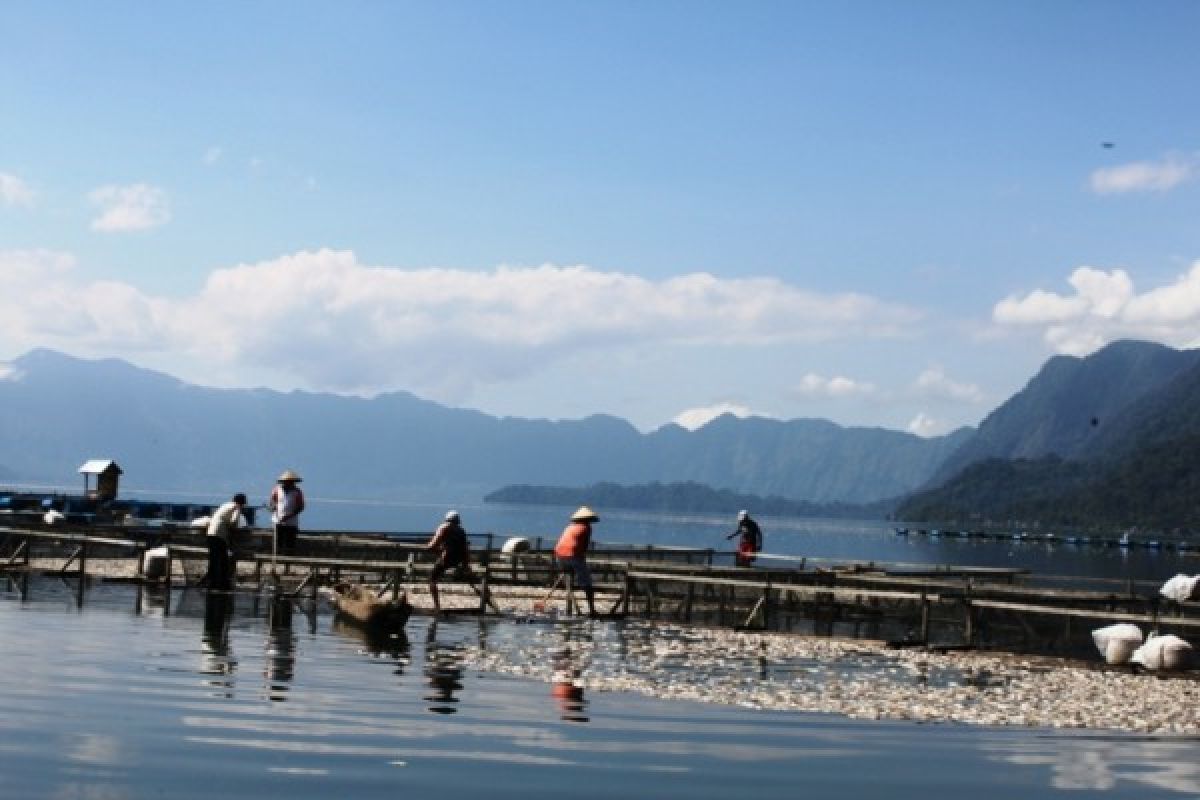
(485, 580)
(628, 586)
(970, 620)
(766, 606)
(924, 619)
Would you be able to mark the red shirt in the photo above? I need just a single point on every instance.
(574, 540)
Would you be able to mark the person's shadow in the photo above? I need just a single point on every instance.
(217, 659)
(443, 672)
(281, 649)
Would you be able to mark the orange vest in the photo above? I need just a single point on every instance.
(574, 540)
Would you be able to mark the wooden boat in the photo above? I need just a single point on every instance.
(361, 605)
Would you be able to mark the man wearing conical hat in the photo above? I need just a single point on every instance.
(571, 552)
(286, 503)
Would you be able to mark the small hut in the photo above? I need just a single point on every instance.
(108, 475)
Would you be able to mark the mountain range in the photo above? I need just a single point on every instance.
(1085, 436)
(56, 411)
(1110, 439)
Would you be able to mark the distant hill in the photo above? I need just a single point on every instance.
(56, 411)
(680, 497)
(1157, 487)
(1085, 408)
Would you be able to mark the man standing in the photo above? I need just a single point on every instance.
(571, 552)
(221, 526)
(750, 542)
(449, 543)
(286, 503)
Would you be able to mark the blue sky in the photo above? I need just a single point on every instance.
(877, 213)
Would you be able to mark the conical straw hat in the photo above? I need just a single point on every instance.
(585, 514)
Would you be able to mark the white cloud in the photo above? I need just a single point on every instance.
(924, 425)
(695, 418)
(1145, 176)
(212, 155)
(323, 321)
(1105, 306)
(46, 306)
(934, 383)
(813, 385)
(14, 191)
(129, 208)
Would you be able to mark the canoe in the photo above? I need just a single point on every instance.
(362, 606)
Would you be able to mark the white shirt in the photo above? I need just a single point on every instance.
(225, 520)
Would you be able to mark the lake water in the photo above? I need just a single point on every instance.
(219, 696)
(865, 540)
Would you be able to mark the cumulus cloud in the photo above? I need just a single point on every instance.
(925, 426)
(695, 418)
(14, 191)
(129, 208)
(934, 383)
(813, 385)
(1145, 176)
(330, 323)
(1105, 306)
(46, 305)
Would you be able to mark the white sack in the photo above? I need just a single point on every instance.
(1163, 652)
(516, 544)
(154, 563)
(1117, 643)
(1181, 588)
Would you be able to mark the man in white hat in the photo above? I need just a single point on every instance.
(750, 542)
(571, 551)
(449, 542)
(286, 503)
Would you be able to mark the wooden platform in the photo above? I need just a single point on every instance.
(915, 605)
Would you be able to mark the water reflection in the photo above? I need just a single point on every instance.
(569, 658)
(92, 699)
(443, 671)
(153, 601)
(280, 665)
(1089, 764)
(217, 658)
(376, 641)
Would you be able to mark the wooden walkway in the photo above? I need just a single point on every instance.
(912, 605)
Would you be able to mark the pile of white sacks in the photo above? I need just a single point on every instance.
(1123, 643)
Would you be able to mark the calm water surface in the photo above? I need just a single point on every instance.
(219, 696)
(865, 540)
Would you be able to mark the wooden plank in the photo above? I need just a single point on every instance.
(800, 589)
(1117, 616)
